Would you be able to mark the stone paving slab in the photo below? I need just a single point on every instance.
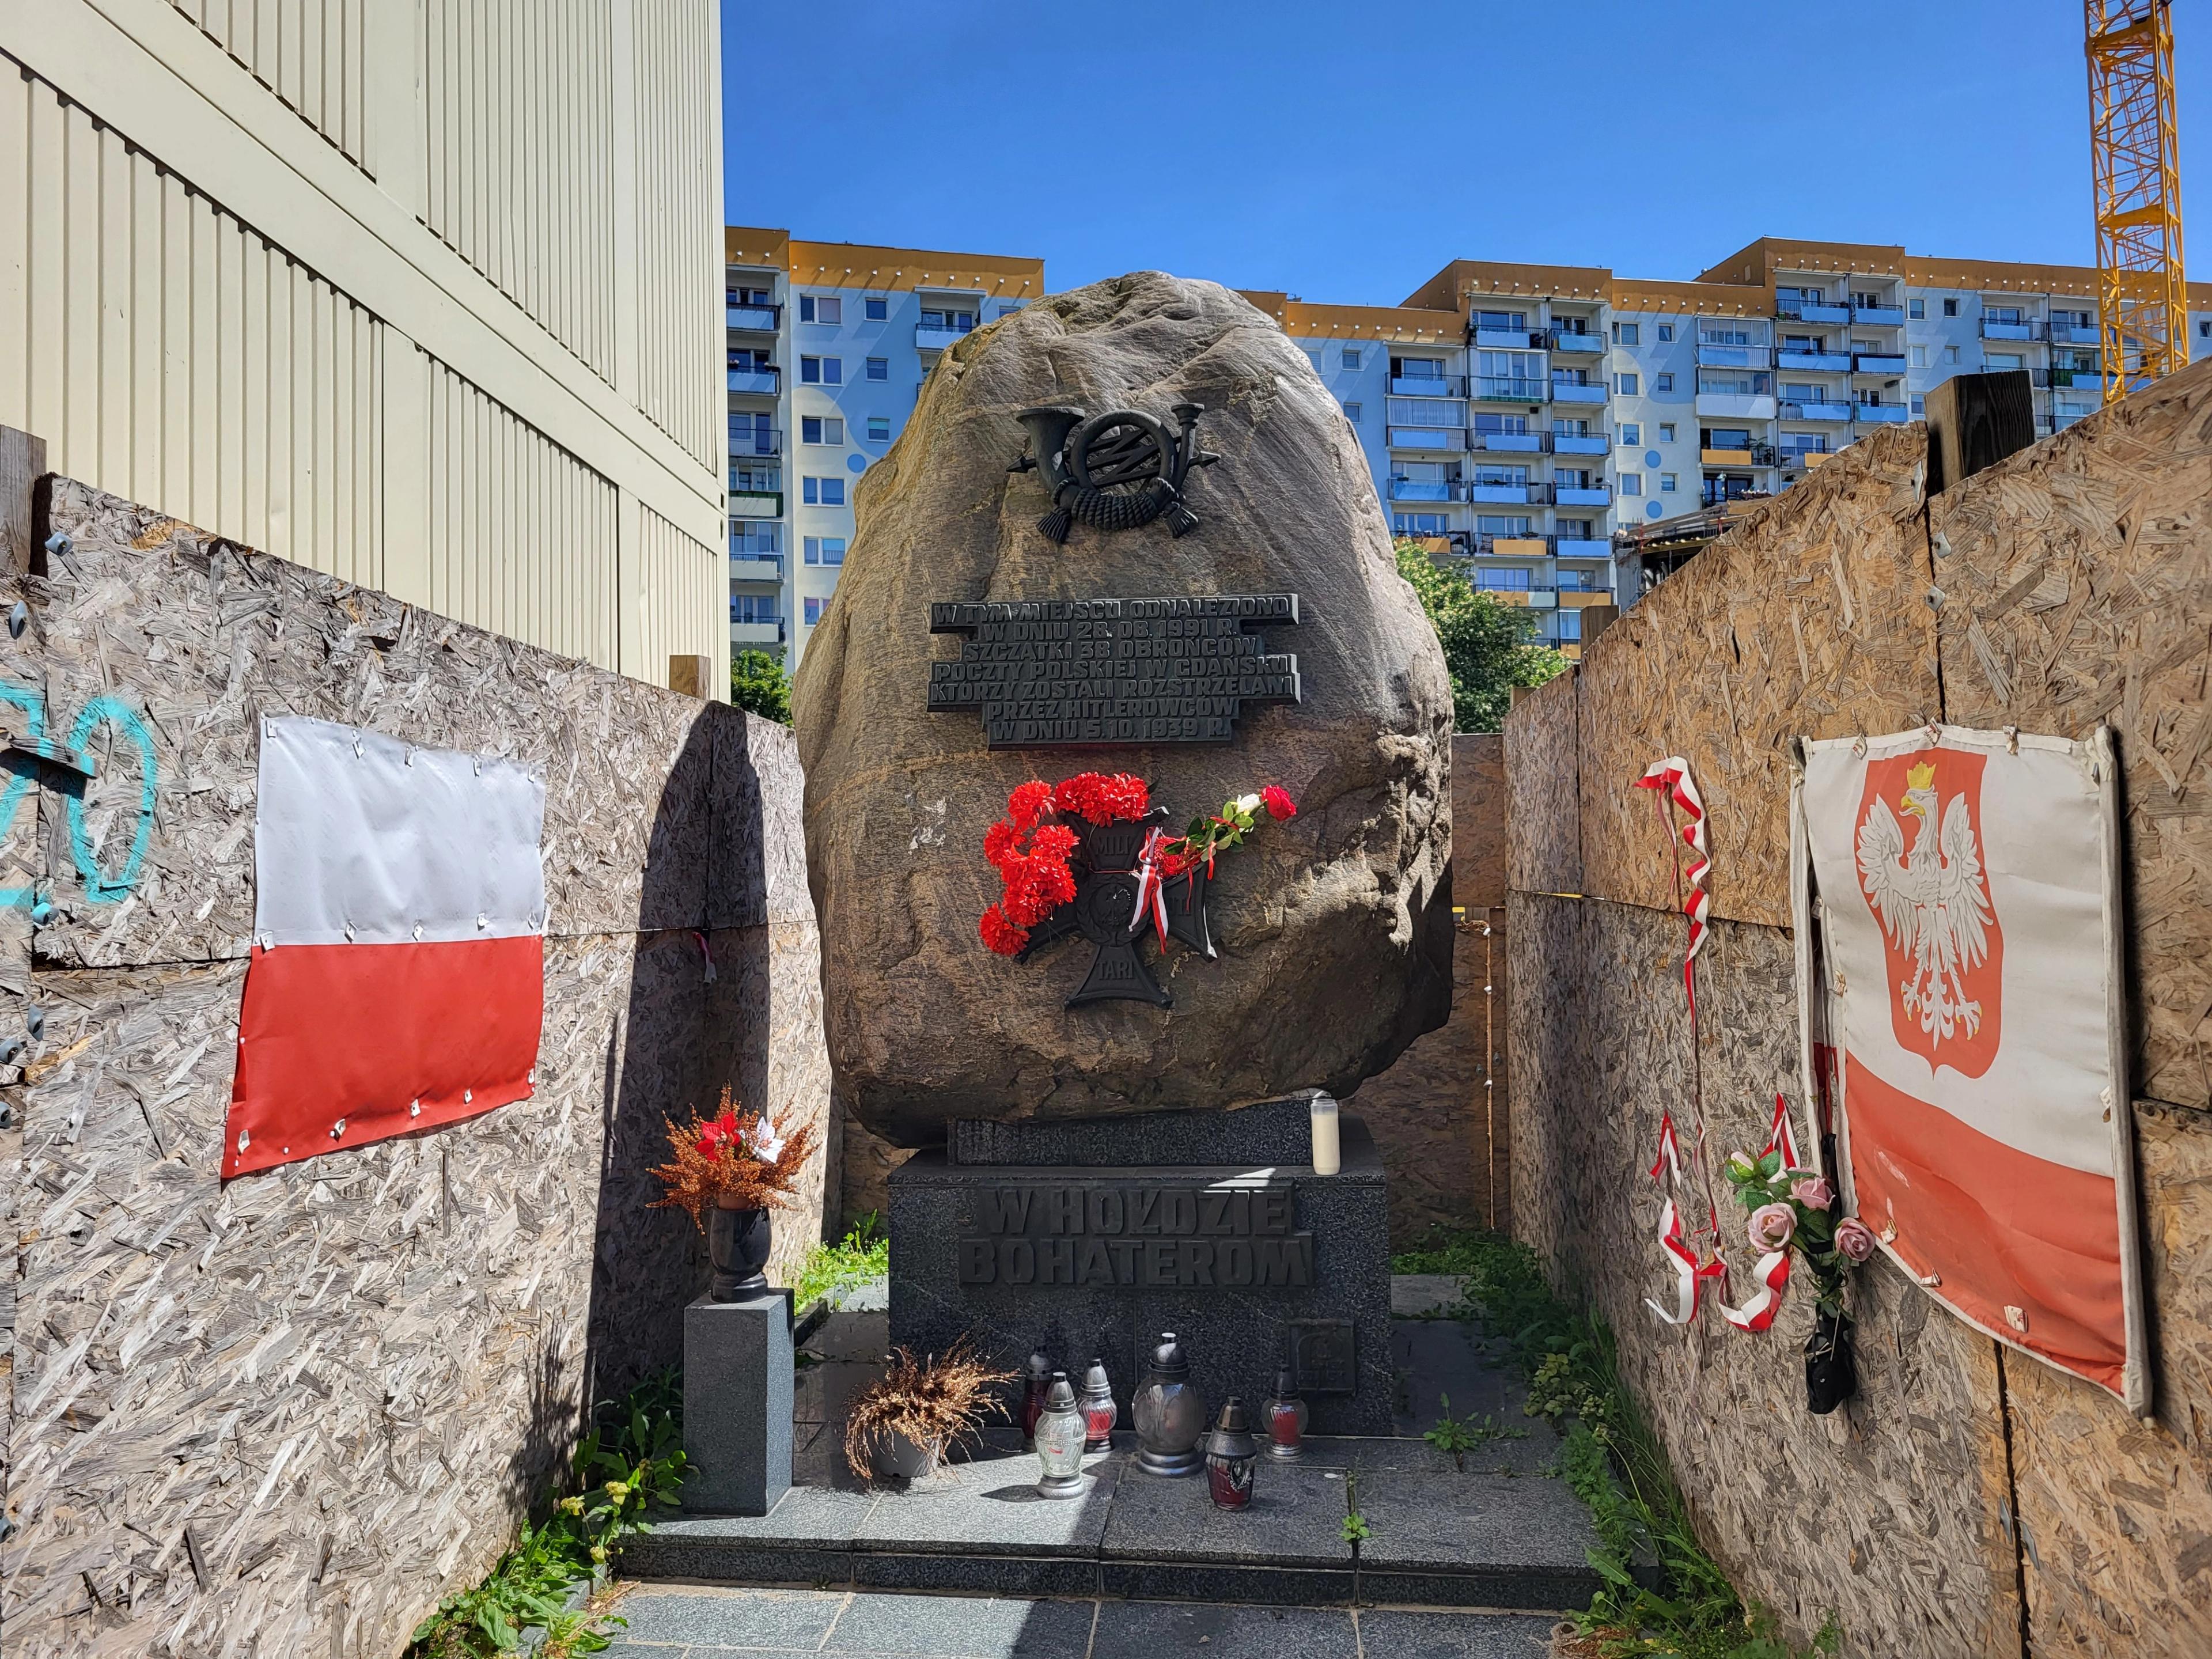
(679, 1622)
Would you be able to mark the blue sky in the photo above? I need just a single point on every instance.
(1344, 152)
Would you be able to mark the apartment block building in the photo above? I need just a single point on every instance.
(828, 345)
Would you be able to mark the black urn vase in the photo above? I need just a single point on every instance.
(1832, 1374)
(737, 1245)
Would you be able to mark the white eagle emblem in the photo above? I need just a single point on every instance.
(1930, 903)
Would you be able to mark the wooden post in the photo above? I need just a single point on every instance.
(1975, 420)
(692, 675)
(22, 463)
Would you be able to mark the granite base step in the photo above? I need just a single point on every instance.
(1500, 1531)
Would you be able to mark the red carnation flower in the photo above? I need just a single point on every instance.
(1279, 802)
(998, 844)
(1001, 935)
(1028, 802)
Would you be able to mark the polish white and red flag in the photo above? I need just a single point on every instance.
(1967, 903)
(398, 974)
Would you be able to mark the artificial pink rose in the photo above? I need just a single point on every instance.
(1773, 1226)
(1854, 1239)
(1813, 1192)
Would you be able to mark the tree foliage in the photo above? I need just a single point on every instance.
(1489, 647)
(759, 686)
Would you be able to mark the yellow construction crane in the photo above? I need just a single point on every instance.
(2141, 301)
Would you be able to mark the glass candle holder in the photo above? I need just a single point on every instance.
(1060, 1442)
(1231, 1457)
(1099, 1411)
(1169, 1414)
(1283, 1416)
(1037, 1380)
(1328, 1152)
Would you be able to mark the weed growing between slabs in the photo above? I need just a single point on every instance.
(863, 1255)
(630, 1461)
(1612, 1460)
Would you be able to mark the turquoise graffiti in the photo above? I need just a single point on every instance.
(101, 886)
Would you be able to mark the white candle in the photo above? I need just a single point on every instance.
(1327, 1156)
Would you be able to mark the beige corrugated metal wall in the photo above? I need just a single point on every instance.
(431, 303)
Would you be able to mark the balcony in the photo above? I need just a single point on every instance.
(753, 320)
(1816, 411)
(1812, 311)
(759, 440)
(756, 569)
(1428, 385)
(1560, 339)
(756, 503)
(1582, 495)
(1734, 356)
(2087, 377)
(1717, 491)
(1513, 547)
(1427, 437)
(1508, 443)
(1504, 389)
(1508, 494)
(1575, 391)
(767, 380)
(1820, 363)
(1575, 598)
(1879, 316)
(1735, 406)
(1506, 339)
(1427, 490)
(1575, 443)
(929, 336)
(756, 632)
(1881, 414)
(2075, 334)
(1724, 458)
(1876, 362)
(2026, 329)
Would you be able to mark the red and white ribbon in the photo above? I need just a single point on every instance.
(1670, 1154)
(1772, 1274)
(1151, 891)
(1778, 1134)
(1689, 1276)
(1671, 777)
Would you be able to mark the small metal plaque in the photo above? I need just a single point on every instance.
(1322, 1355)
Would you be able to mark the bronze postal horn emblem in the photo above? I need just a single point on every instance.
(1116, 470)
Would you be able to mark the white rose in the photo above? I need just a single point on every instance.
(1246, 804)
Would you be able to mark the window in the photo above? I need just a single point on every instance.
(1351, 413)
(879, 429)
(1571, 624)
(1916, 309)
(1419, 524)
(1509, 525)
(1625, 385)
(1667, 484)
(824, 550)
(879, 368)
(753, 608)
(1502, 425)
(1632, 435)
(1663, 383)
(1512, 322)
(1632, 483)
(755, 477)
(821, 309)
(1950, 354)
(1008, 307)
(752, 435)
(876, 310)
(1625, 334)
(1951, 308)
(1666, 432)
(1349, 359)
(1314, 358)
(1918, 408)
(1503, 581)
(811, 608)
(1666, 331)
(821, 429)
(1920, 356)
(822, 371)
(822, 492)
(2204, 331)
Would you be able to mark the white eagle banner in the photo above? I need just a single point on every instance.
(1969, 1023)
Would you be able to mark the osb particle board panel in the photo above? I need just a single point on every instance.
(1895, 1497)
(1478, 781)
(192, 640)
(1543, 827)
(1811, 618)
(346, 1378)
(2077, 578)
(2119, 1513)
(759, 852)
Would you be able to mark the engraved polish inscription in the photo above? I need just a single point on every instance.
(1141, 1235)
(1045, 672)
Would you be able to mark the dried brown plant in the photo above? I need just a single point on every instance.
(710, 1163)
(944, 1400)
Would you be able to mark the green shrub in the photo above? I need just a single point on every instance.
(863, 1255)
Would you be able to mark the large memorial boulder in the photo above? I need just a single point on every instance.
(1333, 928)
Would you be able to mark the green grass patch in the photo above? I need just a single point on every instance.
(631, 1460)
(864, 1253)
(1614, 1462)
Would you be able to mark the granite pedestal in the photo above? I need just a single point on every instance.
(1092, 1237)
(738, 1403)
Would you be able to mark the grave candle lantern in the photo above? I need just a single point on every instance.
(1285, 1418)
(1060, 1442)
(1099, 1411)
(1231, 1457)
(1327, 1149)
(1169, 1414)
(1036, 1380)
